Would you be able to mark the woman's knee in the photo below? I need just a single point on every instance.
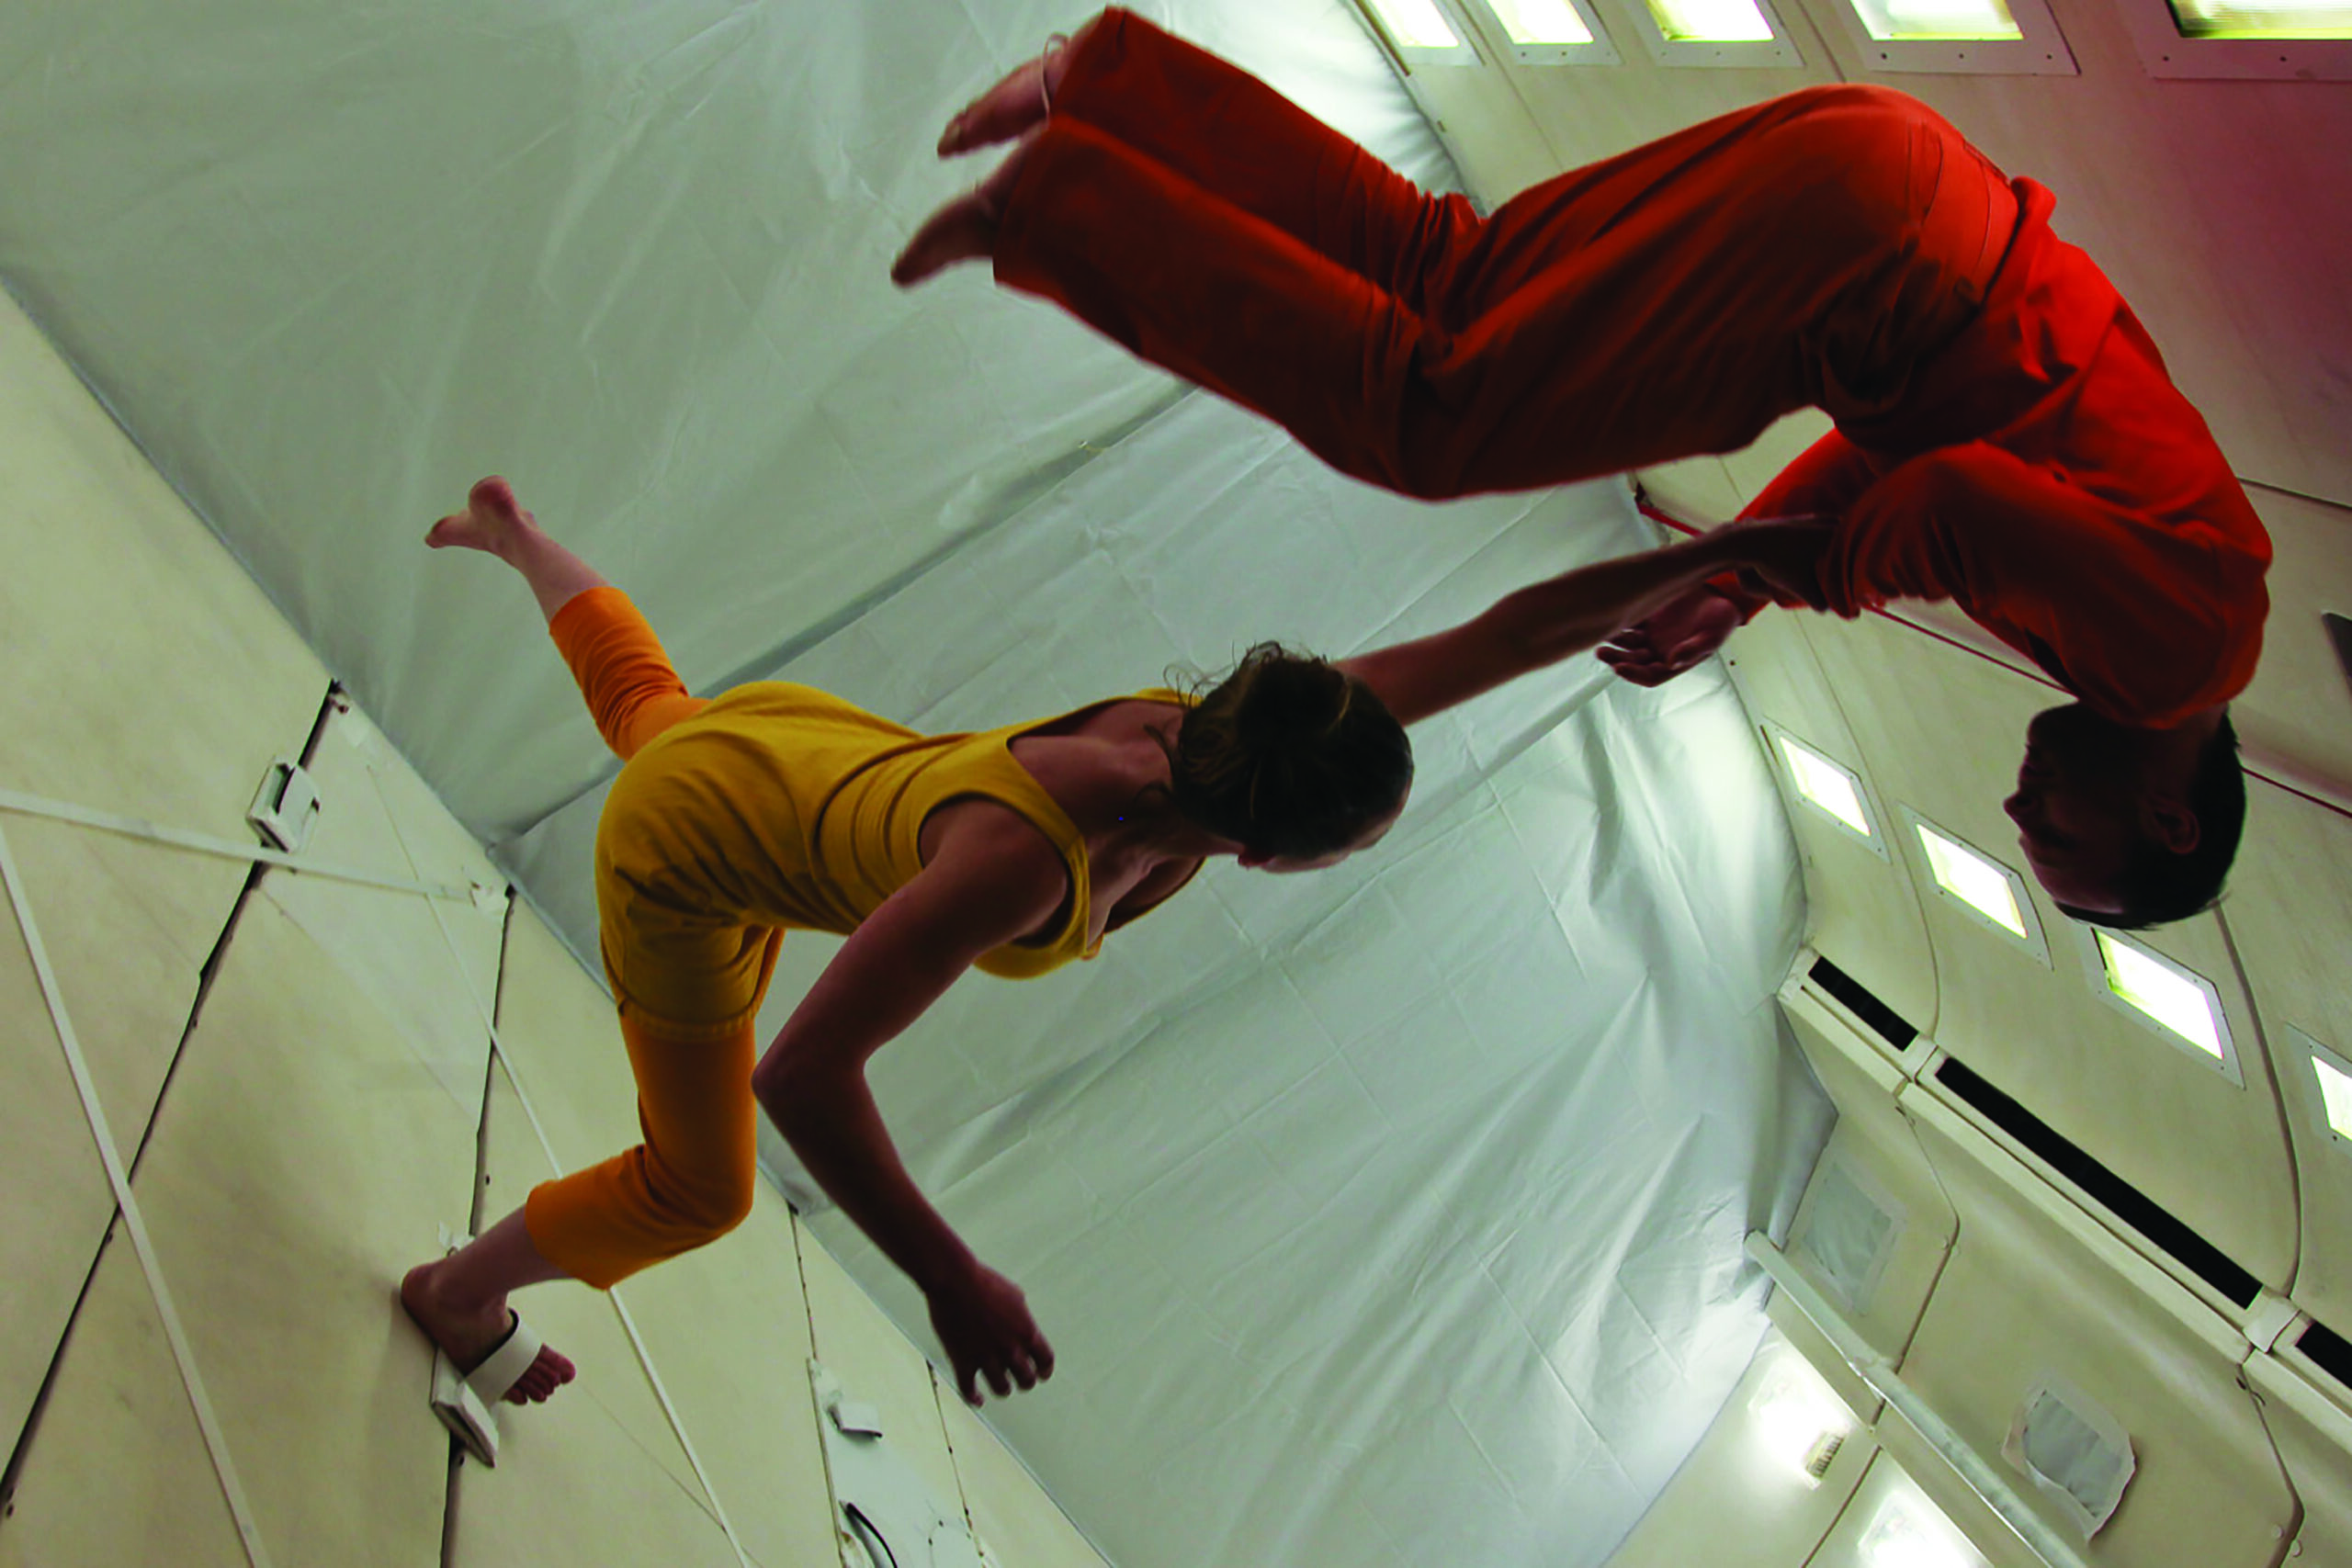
(697, 1214)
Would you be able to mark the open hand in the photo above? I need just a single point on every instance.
(1654, 651)
(983, 1320)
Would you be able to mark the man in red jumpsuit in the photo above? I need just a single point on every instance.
(2007, 436)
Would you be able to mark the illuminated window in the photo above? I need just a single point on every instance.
(2336, 1094)
(1976, 882)
(1710, 21)
(1421, 29)
(2253, 19)
(2333, 1073)
(2004, 37)
(1992, 894)
(1541, 21)
(2164, 990)
(2179, 1004)
(1715, 32)
(1830, 788)
(1910, 21)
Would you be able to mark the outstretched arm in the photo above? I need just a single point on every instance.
(984, 888)
(1544, 623)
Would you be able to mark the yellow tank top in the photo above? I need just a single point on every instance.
(780, 805)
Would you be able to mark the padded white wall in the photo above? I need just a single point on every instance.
(297, 1076)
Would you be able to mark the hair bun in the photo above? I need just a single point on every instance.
(1292, 700)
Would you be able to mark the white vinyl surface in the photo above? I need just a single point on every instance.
(1389, 1215)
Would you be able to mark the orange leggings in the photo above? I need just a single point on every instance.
(1674, 299)
(691, 1181)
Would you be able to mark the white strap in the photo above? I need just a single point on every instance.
(225, 849)
(504, 1366)
(215, 1442)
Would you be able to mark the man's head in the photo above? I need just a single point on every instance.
(2129, 826)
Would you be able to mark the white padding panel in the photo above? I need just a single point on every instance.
(147, 675)
(1016, 1521)
(2023, 1298)
(302, 1156)
(879, 1366)
(596, 1474)
(375, 816)
(46, 1248)
(118, 1474)
(2289, 908)
(1861, 909)
(727, 1331)
(2147, 1110)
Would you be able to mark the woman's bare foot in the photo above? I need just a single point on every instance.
(962, 230)
(491, 521)
(468, 1332)
(1025, 97)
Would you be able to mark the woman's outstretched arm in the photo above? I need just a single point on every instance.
(1566, 615)
(986, 886)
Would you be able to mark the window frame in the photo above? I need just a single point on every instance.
(2169, 54)
(2034, 942)
(2095, 971)
(2042, 51)
(1778, 52)
(1785, 769)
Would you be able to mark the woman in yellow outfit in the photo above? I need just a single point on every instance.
(1011, 849)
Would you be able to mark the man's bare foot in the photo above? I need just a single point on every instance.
(962, 230)
(1025, 97)
(491, 521)
(466, 1333)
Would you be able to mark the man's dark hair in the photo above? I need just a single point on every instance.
(2160, 887)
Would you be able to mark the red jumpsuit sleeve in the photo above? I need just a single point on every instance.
(2145, 620)
(1824, 480)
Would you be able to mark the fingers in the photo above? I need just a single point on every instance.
(1023, 1363)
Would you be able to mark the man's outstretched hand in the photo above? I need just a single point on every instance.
(1652, 652)
(983, 1320)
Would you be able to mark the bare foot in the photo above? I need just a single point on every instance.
(1025, 97)
(469, 1334)
(492, 522)
(964, 229)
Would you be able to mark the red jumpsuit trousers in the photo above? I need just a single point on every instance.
(1672, 300)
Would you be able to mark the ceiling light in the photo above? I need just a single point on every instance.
(1415, 24)
(1832, 788)
(1541, 21)
(2164, 990)
(1915, 20)
(2253, 18)
(1801, 1422)
(1985, 886)
(2336, 1092)
(1711, 21)
(1905, 1535)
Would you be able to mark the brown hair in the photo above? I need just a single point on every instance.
(1289, 755)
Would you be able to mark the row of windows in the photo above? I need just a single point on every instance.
(2179, 1003)
(2176, 37)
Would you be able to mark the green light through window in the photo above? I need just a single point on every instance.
(1826, 784)
(1711, 21)
(1915, 20)
(2165, 992)
(2251, 19)
(1976, 882)
(1541, 21)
